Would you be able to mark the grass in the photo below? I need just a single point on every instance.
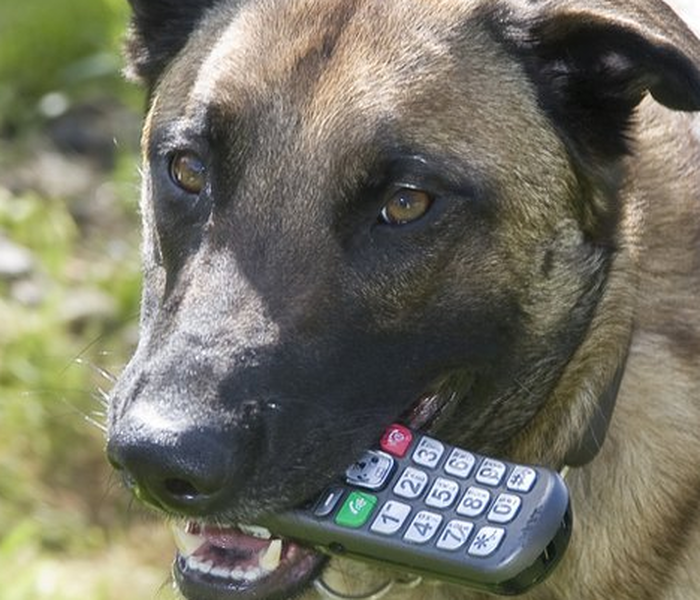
(68, 530)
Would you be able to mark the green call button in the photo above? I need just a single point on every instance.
(356, 510)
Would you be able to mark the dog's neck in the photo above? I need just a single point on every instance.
(592, 441)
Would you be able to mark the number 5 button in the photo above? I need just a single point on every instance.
(443, 493)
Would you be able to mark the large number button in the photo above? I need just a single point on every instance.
(455, 535)
(474, 502)
(460, 463)
(486, 541)
(423, 527)
(391, 517)
(411, 483)
(371, 471)
(428, 452)
(490, 472)
(522, 479)
(504, 508)
(443, 493)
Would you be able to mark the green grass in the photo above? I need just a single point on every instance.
(68, 530)
(57, 45)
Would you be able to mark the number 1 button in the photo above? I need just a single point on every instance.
(391, 517)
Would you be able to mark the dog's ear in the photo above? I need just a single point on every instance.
(592, 62)
(159, 30)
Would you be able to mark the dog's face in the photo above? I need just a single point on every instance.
(356, 212)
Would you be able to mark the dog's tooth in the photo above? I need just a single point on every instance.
(187, 543)
(252, 574)
(201, 566)
(255, 531)
(220, 572)
(270, 558)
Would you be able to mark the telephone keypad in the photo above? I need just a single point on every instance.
(434, 495)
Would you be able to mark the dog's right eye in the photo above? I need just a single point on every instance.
(188, 171)
(405, 206)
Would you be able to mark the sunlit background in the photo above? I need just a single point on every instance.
(69, 288)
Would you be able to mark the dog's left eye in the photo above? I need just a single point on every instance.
(188, 171)
(405, 206)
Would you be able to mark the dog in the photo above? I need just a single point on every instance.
(477, 217)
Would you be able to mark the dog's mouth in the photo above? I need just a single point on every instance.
(249, 562)
(227, 563)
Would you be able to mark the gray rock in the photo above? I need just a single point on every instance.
(15, 261)
(87, 304)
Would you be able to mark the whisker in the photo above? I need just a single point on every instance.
(104, 373)
(95, 423)
(101, 396)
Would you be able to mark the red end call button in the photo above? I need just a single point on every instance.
(396, 440)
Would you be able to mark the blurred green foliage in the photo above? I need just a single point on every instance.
(57, 45)
(67, 528)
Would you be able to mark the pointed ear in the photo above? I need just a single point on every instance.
(593, 61)
(159, 30)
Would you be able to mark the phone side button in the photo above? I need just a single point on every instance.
(330, 499)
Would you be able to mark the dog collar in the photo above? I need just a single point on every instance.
(592, 441)
(326, 591)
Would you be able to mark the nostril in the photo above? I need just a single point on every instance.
(181, 470)
(181, 489)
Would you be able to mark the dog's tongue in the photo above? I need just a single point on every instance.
(235, 539)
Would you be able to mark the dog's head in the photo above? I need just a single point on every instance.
(360, 211)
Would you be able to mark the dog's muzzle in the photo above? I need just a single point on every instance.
(240, 562)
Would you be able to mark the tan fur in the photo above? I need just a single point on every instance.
(638, 501)
(637, 516)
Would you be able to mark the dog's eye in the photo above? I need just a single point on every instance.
(188, 172)
(404, 206)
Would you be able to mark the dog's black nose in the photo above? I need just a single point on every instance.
(187, 471)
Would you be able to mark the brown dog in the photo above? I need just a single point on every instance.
(353, 205)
